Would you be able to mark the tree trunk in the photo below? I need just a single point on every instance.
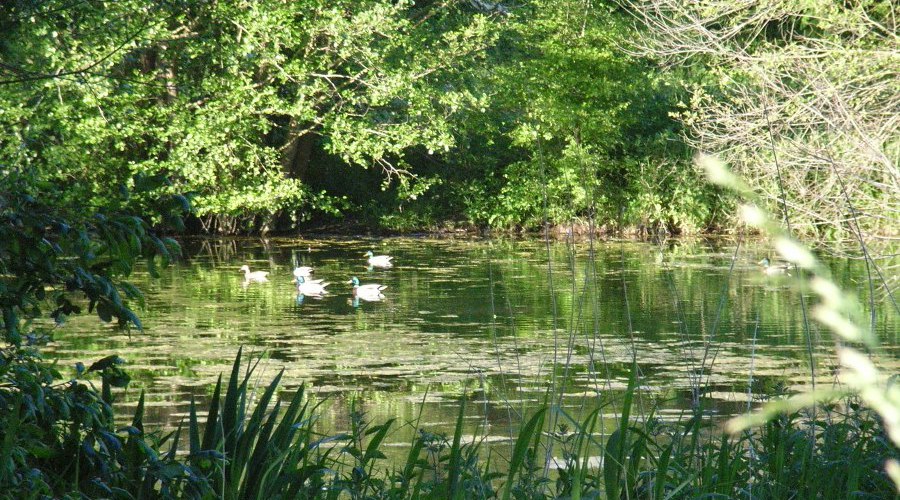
(297, 152)
(166, 75)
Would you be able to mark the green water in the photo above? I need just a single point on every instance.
(496, 321)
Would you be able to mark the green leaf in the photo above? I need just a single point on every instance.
(106, 362)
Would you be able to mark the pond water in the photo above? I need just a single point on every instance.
(503, 322)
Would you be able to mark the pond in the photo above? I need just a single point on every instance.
(503, 322)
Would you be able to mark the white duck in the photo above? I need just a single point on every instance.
(379, 260)
(370, 291)
(305, 272)
(309, 288)
(258, 276)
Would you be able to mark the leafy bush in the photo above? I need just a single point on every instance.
(59, 257)
(60, 437)
(50, 254)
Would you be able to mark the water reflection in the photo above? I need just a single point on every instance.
(491, 320)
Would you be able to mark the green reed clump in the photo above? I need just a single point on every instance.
(843, 458)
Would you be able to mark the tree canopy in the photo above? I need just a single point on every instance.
(276, 115)
(227, 98)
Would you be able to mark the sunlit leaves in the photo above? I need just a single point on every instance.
(588, 125)
(204, 93)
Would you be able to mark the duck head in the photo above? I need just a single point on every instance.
(245, 269)
(354, 281)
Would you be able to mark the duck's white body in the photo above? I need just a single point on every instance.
(303, 272)
(369, 288)
(369, 291)
(373, 297)
(258, 276)
(379, 260)
(309, 288)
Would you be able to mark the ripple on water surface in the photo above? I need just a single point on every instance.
(467, 317)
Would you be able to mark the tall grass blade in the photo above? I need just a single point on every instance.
(661, 478)
(176, 441)
(247, 434)
(134, 455)
(581, 452)
(193, 430)
(259, 467)
(210, 438)
(616, 446)
(531, 430)
(230, 419)
(372, 449)
(455, 449)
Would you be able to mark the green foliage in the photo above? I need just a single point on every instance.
(228, 98)
(59, 440)
(50, 254)
(842, 457)
(578, 130)
(59, 257)
(266, 111)
(60, 437)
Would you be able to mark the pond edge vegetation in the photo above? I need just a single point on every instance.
(58, 438)
(261, 117)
